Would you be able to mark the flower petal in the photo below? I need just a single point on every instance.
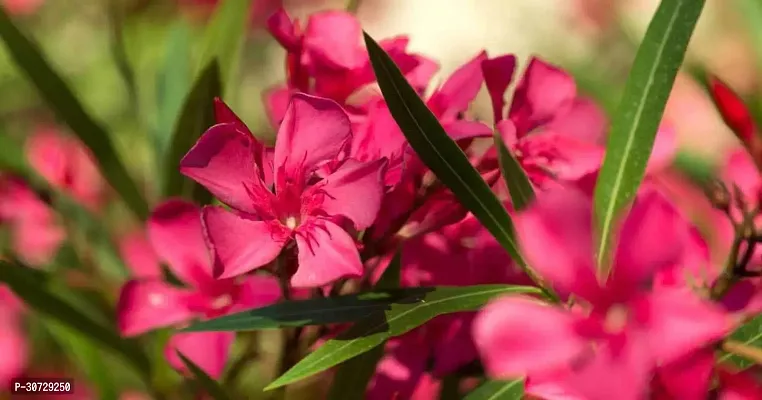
(679, 322)
(689, 377)
(543, 92)
(498, 75)
(326, 253)
(147, 305)
(224, 161)
(257, 291)
(175, 231)
(13, 347)
(584, 120)
(556, 237)
(518, 335)
(739, 169)
(355, 191)
(462, 129)
(239, 244)
(653, 237)
(314, 130)
(332, 38)
(138, 254)
(459, 90)
(208, 350)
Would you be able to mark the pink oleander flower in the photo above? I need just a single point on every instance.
(326, 58)
(36, 234)
(609, 343)
(462, 253)
(22, 7)
(301, 208)
(67, 165)
(13, 344)
(741, 385)
(146, 302)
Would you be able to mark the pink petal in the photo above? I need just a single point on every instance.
(653, 237)
(459, 90)
(462, 129)
(36, 242)
(690, 377)
(314, 130)
(355, 181)
(664, 150)
(560, 219)
(208, 350)
(147, 305)
(739, 169)
(332, 39)
(679, 322)
(584, 120)
(175, 231)
(257, 291)
(239, 244)
(508, 134)
(543, 92)
(276, 101)
(224, 161)
(420, 76)
(519, 335)
(139, 256)
(738, 386)
(19, 202)
(326, 253)
(498, 75)
(402, 367)
(283, 30)
(13, 347)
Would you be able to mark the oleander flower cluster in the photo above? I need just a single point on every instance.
(324, 209)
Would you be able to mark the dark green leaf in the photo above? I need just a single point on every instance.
(440, 153)
(749, 334)
(224, 35)
(68, 108)
(498, 390)
(397, 320)
(352, 376)
(209, 385)
(174, 84)
(638, 116)
(197, 116)
(30, 286)
(514, 176)
(316, 311)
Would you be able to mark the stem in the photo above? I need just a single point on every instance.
(119, 53)
(250, 353)
(289, 356)
(745, 351)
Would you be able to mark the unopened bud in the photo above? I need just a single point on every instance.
(718, 195)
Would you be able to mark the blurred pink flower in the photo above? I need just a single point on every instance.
(35, 233)
(145, 303)
(67, 165)
(608, 345)
(22, 7)
(13, 344)
(301, 210)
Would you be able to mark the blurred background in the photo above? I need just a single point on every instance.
(129, 62)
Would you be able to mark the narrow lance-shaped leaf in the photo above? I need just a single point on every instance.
(399, 319)
(224, 35)
(26, 283)
(316, 311)
(196, 117)
(352, 377)
(749, 334)
(206, 382)
(440, 153)
(639, 113)
(68, 108)
(498, 390)
(519, 186)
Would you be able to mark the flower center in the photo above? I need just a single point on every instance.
(222, 301)
(616, 319)
(291, 222)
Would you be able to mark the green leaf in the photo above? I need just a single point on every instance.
(197, 116)
(498, 390)
(440, 153)
(352, 376)
(209, 385)
(749, 334)
(514, 176)
(173, 85)
(316, 311)
(86, 356)
(639, 113)
(12, 154)
(224, 35)
(397, 320)
(68, 108)
(30, 286)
